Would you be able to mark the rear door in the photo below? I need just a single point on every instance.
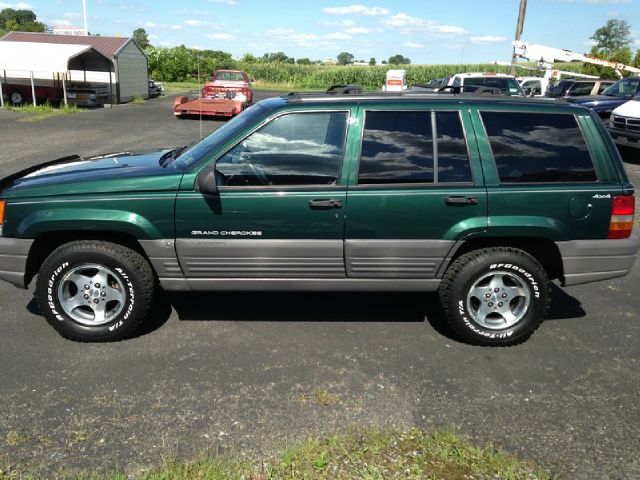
(544, 180)
(416, 190)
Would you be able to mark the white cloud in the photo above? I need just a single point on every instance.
(487, 39)
(356, 9)
(358, 30)
(288, 36)
(220, 36)
(149, 24)
(338, 36)
(153, 36)
(71, 15)
(407, 24)
(193, 23)
(17, 6)
(177, 27)
(413, 45)
(60, 23)
(228, 2)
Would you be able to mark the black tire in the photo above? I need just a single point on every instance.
(470, 300)
(128, 290)
(16, 97)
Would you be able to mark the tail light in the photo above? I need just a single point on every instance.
(2, 202)
(622, 214)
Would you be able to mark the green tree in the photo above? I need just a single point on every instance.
(277, 57)
(22, 20)
(636, 59)
(141, 38)
(249, 58)
(303, 61)
(399, 60)
(372, 61)
(612, 36)
(345, 58)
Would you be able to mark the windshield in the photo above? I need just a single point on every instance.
(205, 148)
(559, 88)
(230, 76)
(623, 88)
(506, 85)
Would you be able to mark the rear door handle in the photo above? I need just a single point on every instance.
(325, 204)
(456, 200)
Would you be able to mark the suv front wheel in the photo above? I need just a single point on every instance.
(94, 291)
(495, 296)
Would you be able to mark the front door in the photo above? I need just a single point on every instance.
(418, 190)
(279, 210)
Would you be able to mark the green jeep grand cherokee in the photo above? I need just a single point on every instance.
(483, 199)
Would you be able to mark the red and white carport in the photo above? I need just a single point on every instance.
(50, 62)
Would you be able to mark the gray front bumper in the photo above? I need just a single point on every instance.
(13, 260)
(592, 260)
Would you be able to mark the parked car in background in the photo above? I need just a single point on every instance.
(229, 84)
(470, 82)
(431, 86)
(624, 124)
(576, 88)
(620, 92)
(534, 86)
(155, 88)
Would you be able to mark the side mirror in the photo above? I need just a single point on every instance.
(206, 182)
(528, 91)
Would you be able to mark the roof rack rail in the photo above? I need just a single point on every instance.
(340, 89)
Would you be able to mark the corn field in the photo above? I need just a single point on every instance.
(182, 64)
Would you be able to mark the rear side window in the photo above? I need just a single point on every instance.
(398, 147)
(538, 147)
(582, 88)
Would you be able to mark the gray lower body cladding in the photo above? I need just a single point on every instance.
(587, 261)
(13, 260)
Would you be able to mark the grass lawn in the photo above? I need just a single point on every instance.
(361, 453)
(40, 112)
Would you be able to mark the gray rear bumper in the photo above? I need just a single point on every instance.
(13, 260)
(592, 260)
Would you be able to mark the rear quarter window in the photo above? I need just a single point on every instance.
(538, 147)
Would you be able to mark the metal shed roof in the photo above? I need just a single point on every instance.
(109, 46)
(47, 57)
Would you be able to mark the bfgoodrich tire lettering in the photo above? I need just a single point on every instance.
(495, 296)
(93, 291)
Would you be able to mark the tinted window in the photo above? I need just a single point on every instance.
(397, 147)
(294, 149)
(230, 76)
(538, 147)
(508, 86)
(623, 88)
(559, 88)
(581, 88)
(603, 86)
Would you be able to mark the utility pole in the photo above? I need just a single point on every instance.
(523, 10)
(84, 15)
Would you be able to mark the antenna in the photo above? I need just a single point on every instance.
(199, 96)
(84, 15)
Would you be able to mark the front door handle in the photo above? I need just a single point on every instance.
(325, 204)
(457, 200)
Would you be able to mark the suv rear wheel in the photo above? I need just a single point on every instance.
(495, 296)
(94, 291)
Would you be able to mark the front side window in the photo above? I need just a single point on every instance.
(294, 149)
(538, 147)
(398, 147)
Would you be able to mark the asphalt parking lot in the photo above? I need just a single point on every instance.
(243, 373)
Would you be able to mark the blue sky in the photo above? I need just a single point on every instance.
(426, 31)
